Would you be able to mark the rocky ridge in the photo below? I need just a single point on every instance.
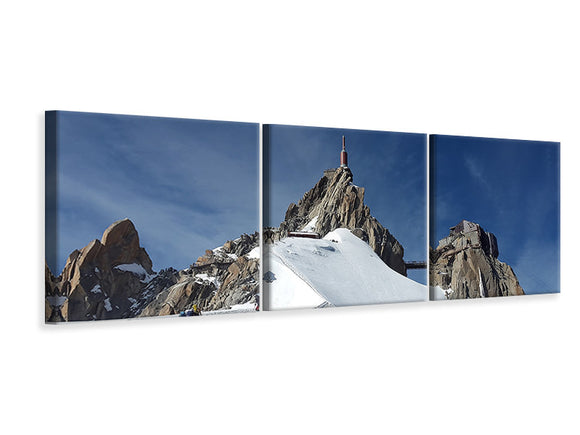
(222, 277)
(335, 202)
(465, 265)
(113, 278)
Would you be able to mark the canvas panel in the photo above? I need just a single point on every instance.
(345, 217)
(494, 217)
(149, 216)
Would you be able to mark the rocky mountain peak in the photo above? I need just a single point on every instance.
(465, 265)
(335, 202)
(121, 241)
(103, 279)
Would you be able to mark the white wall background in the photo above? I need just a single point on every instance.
(499, 68)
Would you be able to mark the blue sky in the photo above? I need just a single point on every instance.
(511, 188)
(390, 166)
(187, 185)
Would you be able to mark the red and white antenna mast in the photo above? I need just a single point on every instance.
(343, 155)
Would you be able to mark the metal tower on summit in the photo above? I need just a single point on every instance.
(343, 155)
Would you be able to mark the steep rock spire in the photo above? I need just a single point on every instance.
(465, 265)
(335, 202)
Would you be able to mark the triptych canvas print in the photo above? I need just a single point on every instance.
(149, 217)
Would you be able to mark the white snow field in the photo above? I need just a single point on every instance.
(338, 270)
(286, 289)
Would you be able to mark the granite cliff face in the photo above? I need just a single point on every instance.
(465, 265)
(113, 278)
(335, 202)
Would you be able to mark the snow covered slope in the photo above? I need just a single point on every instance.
(339, 269)
(286, 289)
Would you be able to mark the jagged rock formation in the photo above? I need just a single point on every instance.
(335, 202)
(225, 276)
(114, 278)
(107, 279)
(465, 265)
(51, 306)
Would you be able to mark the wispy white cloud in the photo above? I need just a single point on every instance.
(477, 172)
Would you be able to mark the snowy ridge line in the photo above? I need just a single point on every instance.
(299, 275)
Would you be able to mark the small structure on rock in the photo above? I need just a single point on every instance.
(304, 234)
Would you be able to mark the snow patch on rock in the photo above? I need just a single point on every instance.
(254, 253)
(137, 269)
(309, 227)
(439, 293)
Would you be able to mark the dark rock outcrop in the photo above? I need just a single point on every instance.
(335, 202)
(465, 265)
